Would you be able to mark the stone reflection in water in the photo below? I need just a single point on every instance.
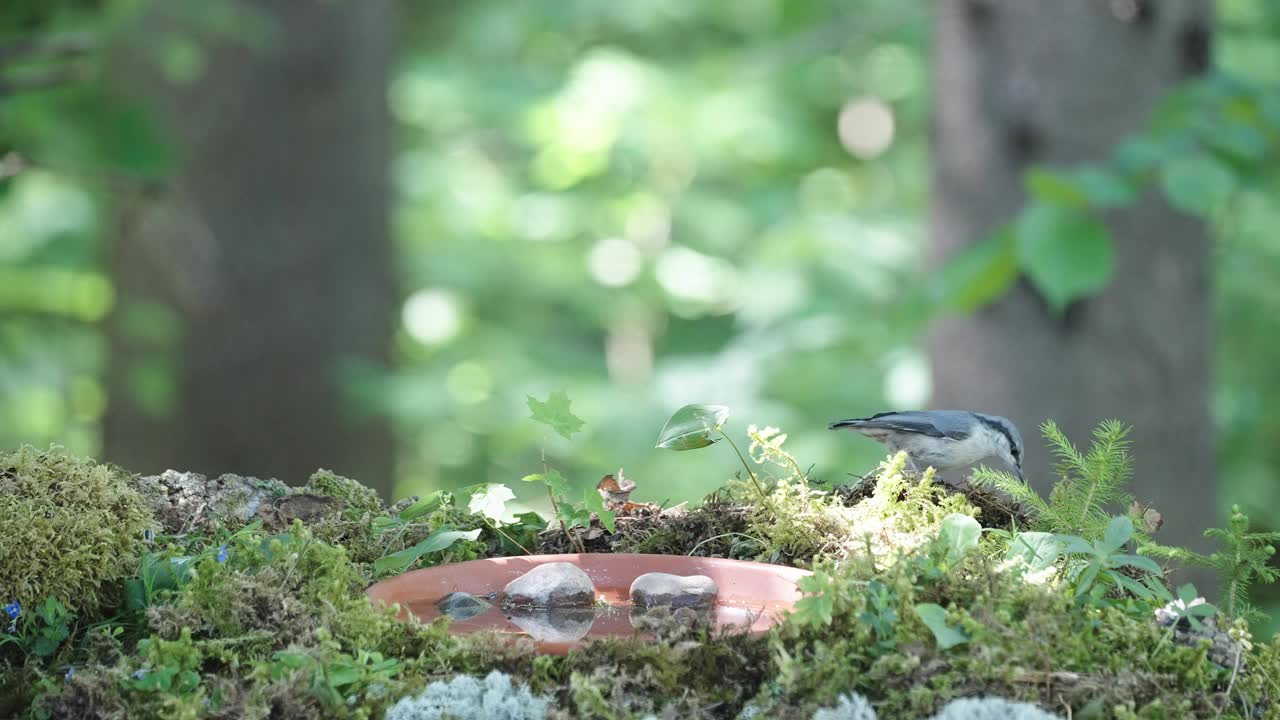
(554, 624)
(662, 618)
(462, 606)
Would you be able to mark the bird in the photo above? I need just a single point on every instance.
(944, 439)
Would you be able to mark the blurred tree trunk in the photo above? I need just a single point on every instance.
(1045, 82)
(261, 272)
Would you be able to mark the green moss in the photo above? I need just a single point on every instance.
(72, 529)
(1025, 641)
(356, 499)
(278, 626)
(801, 525)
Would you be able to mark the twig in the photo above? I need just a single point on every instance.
(508, 537)
(717, 537)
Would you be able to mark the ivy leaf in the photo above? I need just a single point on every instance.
(1066, 254)
(1196, 183)
(435, 542)
(959, 533)
(555, 414)
(691, 427)
(552, 479)
(980, 274)
(594, 503)
(491, 501)
(935, 617)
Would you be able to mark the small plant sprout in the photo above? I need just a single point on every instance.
(554, 412)
(1245, 559)
(697, 426)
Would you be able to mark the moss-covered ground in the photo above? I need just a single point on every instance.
(251, 605)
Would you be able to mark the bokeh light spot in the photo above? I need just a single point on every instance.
(866, 127)
(614, 262)
(432, 317)
(469, 383)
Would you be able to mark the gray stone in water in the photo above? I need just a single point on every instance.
(462, 606)
(554, 624)
(551, 585)
(653, 589)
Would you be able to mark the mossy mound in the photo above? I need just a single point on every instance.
(70, 529)
(246, 616)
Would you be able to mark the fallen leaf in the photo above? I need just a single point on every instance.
(615, 488)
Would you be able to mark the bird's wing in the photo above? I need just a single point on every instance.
(930, 424)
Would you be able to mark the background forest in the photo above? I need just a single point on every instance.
(266, 237)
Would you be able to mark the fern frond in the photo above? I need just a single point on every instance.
(1091, 486)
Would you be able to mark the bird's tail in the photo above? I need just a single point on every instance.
(850, 423)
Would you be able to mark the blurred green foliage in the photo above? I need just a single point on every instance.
(646, 204)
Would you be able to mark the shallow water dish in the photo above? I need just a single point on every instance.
(751, 595)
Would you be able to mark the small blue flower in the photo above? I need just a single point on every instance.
(139, 673)
(223, 554)
(13, 610)
(71, 671)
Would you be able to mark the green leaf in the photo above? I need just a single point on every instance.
(1074, 544)
(1081, 188)
(552, 479)
(935, 617)
(1119, 532)
(591, 498)
(1187, 593)
(555, 414)
(427, 504)
(1138, 156)
(959, 533)
(1067, 255)
(491, 501)
(1104, 188)
(1133, 586)
(1054, 188)
(692, 427)
(1139, 561)
(979, 275)
(1039, 550)
(435, 542)
(816, 607)
(1196, 183)
(1086, 578)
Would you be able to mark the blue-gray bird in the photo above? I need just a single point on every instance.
(944, 439)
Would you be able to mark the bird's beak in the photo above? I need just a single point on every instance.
(1018, 471)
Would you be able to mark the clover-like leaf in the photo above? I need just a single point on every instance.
(692, 427)
(555, 414)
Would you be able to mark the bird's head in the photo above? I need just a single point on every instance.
(1007, 440)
